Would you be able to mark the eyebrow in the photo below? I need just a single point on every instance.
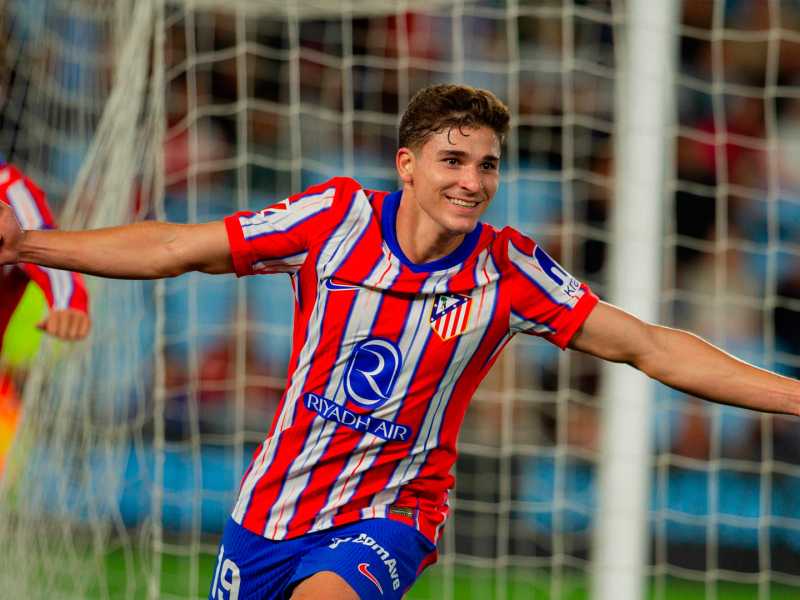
(462, 154)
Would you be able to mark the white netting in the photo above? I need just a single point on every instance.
(133, 445)
(727, 493)
(259, 101)
(85, 411)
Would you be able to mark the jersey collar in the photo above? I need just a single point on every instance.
(391, 203)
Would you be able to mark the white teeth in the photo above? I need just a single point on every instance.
(461, 203)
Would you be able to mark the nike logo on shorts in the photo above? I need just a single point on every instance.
(363, 569)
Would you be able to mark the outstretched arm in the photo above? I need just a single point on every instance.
(148, 250)
(685, 362)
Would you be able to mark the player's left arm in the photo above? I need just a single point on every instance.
(683, 361)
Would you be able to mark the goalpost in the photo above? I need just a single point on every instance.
(132, 446)
(622, 536)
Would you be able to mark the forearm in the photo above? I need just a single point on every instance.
(689, 364)
(683, 361)
(148, 250)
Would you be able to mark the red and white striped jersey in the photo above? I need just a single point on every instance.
(61, 288)
(386, 355)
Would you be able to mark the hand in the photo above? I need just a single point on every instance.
(69, 324)
(11, 236)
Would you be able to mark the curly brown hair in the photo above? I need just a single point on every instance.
(446, 107)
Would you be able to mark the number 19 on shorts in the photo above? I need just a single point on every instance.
(226, 579)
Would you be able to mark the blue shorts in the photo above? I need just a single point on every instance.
(379, 558)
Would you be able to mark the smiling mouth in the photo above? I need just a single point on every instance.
(461, 203)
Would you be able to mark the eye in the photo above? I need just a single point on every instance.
(489, 166)
(451, 161)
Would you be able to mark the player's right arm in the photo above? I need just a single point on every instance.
(149, 250)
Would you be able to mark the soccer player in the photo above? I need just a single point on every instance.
(403, 302)
(65, 292)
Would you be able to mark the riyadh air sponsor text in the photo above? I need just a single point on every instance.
(330, 411)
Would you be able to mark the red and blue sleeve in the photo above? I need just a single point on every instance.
(62, 289)
(545, 299)
(277, 239)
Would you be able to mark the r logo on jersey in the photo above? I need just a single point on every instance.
(372, 372)
(450, 314)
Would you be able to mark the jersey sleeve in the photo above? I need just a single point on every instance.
(277, 239)
(545, 299)
(62, 289)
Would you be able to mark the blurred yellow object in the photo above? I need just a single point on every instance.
(21, 338)
(10, 408)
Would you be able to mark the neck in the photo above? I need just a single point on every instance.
(421, 239)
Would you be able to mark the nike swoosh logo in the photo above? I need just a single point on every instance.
(335, 287)
(363, 569)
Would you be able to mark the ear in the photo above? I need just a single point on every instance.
(405, 164)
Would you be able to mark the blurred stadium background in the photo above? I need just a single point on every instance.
(131, 446)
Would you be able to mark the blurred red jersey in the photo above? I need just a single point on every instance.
(386, 355)
(61, 288)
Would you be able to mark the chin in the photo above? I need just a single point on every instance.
(461, 228)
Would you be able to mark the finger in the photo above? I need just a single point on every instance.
(72, 325)
(85, 324)
(75, 325)
(71, 328)
(63, 325)
(51, 325)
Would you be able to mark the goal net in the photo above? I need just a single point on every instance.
(726, 480)
(131, 448)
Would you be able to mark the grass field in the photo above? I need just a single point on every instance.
(468, 584)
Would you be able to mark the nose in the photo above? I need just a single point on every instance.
(471, 180)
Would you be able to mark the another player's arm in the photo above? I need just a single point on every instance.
(149, 250)
(68, 318)
(684, 361)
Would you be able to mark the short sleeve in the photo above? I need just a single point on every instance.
(62, 289)
(277, 239)
(545, 299)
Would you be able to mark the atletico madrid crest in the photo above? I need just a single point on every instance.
(450, 315)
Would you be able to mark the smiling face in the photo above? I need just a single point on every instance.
(450, 181)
